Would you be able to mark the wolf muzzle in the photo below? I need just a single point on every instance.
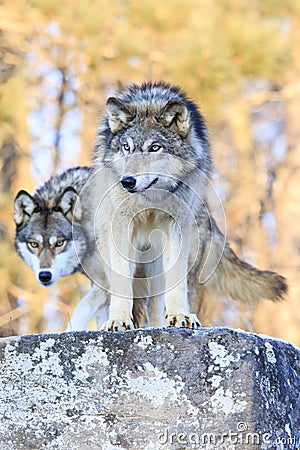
(132, 185)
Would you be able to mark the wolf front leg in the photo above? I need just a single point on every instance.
(156, 311)
(156, 300)
(120, 314)
(94, 303)
(176, 270)
(120, 279)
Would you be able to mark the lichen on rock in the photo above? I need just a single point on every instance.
(149, 389)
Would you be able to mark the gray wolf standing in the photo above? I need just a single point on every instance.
(153, 158)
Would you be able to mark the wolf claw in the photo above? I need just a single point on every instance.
(183, 321)
(117, 325)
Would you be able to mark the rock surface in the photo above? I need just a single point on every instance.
(149, 389)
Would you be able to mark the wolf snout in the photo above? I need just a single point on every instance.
(139, 183)
(45, 277)
(128, 183)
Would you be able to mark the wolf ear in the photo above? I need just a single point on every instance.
(24, 206)
(119, 115)
(175, 116)
(69, 204)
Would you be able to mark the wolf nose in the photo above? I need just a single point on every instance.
(45, 276)
(128, 183)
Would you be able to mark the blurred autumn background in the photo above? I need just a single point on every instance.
(239, 60)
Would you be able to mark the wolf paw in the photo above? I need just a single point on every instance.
(117, 325)
(183, 321)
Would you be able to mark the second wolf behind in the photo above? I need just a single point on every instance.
(52, 240)
(46, 226)
(51, 237)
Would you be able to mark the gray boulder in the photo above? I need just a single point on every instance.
(149, 389)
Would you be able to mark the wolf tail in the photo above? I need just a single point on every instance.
(240, 280)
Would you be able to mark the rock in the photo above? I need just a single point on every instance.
(149, 389)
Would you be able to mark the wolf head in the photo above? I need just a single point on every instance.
(153, 136)
(45, 234)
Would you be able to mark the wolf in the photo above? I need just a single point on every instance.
(152, 166)
(51, 238)
(44, 232)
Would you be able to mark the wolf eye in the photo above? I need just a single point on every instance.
(126, 147)
(60, 242)
(155, 148)
(33, 244)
